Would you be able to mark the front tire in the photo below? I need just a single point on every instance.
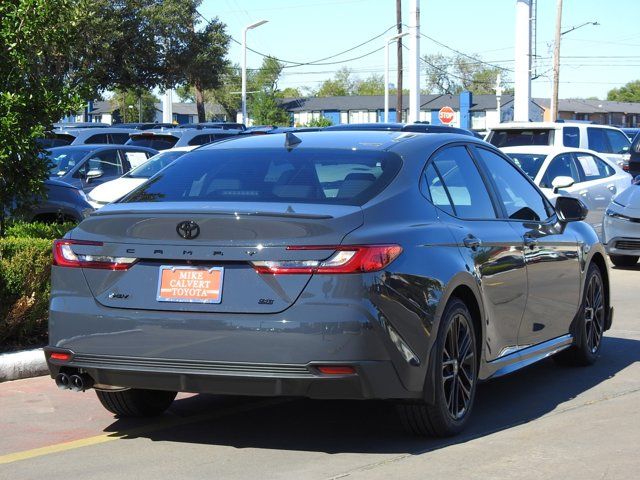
(456, 376)
(590, 327)
(623, 260)
(136, 402)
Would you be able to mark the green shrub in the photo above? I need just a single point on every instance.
(25, 270)
(48, 231)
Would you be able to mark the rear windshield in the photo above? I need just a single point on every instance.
(530, 163)
(268, 175)
(157, 142)
(521, 136)
(155, 164)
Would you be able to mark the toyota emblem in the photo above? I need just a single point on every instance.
(188, 229)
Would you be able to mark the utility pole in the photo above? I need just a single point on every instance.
(556, 63)
(399, 53)
(499, 96)
(414, 64)
(522, 70)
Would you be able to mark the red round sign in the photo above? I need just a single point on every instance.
(446, 115)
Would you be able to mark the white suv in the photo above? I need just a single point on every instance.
(610, 142)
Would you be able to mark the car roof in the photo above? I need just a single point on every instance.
(377, 140)
(547, 150)
(551, 125)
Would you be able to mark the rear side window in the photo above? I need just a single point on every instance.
(119, 138)
(598, 140)
(200, 139)
(617, 140)
(571, 137)
(157, 142)
(99, 138)
(318, 176)
(514, 137)
(592, 167)
(458, 186)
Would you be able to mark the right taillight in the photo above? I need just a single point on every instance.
(64, 256)
(345, 259)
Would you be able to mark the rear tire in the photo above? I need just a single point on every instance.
(623, 260)
(591, 323)
(135, 402)
(456, 376)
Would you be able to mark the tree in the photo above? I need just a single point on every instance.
(264, 107)
(126, 103)
(290, 92)
(627, 93)
(35, 37)
(319, 122)
(192, 56)
(341, 85)
(373, 85)
(452, 75)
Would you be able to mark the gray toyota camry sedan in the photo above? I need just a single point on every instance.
(351, 265)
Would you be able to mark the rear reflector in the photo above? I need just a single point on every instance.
(64, 256)
(336, 370)
(63, 357)
(345, 259)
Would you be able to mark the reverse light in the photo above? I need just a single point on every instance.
(64, 256)
(345, 259)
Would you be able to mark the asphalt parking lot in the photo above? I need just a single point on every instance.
(544, 422)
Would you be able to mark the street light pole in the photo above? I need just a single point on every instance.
(386, 73)
(556, 63)
(244, 66)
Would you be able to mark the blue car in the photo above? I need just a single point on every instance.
(75, 171)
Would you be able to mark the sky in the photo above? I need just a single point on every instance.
(594, 59)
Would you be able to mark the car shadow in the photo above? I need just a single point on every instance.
(333, 426)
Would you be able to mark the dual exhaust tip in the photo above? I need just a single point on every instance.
(77, 382)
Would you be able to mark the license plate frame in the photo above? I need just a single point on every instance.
(215, 293)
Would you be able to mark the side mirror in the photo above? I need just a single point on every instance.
(636, 180)
(561, 182)
(93, 174)
(571, 209)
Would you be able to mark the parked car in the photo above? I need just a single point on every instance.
(270, 266)
(177, 137)
(143, 126)
(608, 141)
(582, 174)
(62, 202)
(412, 127)
(89, 136)
(87, 166)
(65, 125)
(115, 189)
(222, 125)
(634, 158)
(630, 132)
(622, 227)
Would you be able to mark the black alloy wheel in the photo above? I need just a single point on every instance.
(594, 313)
(454, 379)
(458, 367)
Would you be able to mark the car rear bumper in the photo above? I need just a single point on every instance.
(372, 379)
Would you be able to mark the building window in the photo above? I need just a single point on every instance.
(478, 120)
(582, 116)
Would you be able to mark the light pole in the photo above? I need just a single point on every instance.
(386, 72)
(244, 66)
(556, 59)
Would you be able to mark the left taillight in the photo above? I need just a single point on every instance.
(345, 259)
(64, 256)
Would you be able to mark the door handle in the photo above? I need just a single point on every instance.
(472, 242)
(530, 241)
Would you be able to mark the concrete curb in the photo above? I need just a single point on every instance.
(24, 364)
